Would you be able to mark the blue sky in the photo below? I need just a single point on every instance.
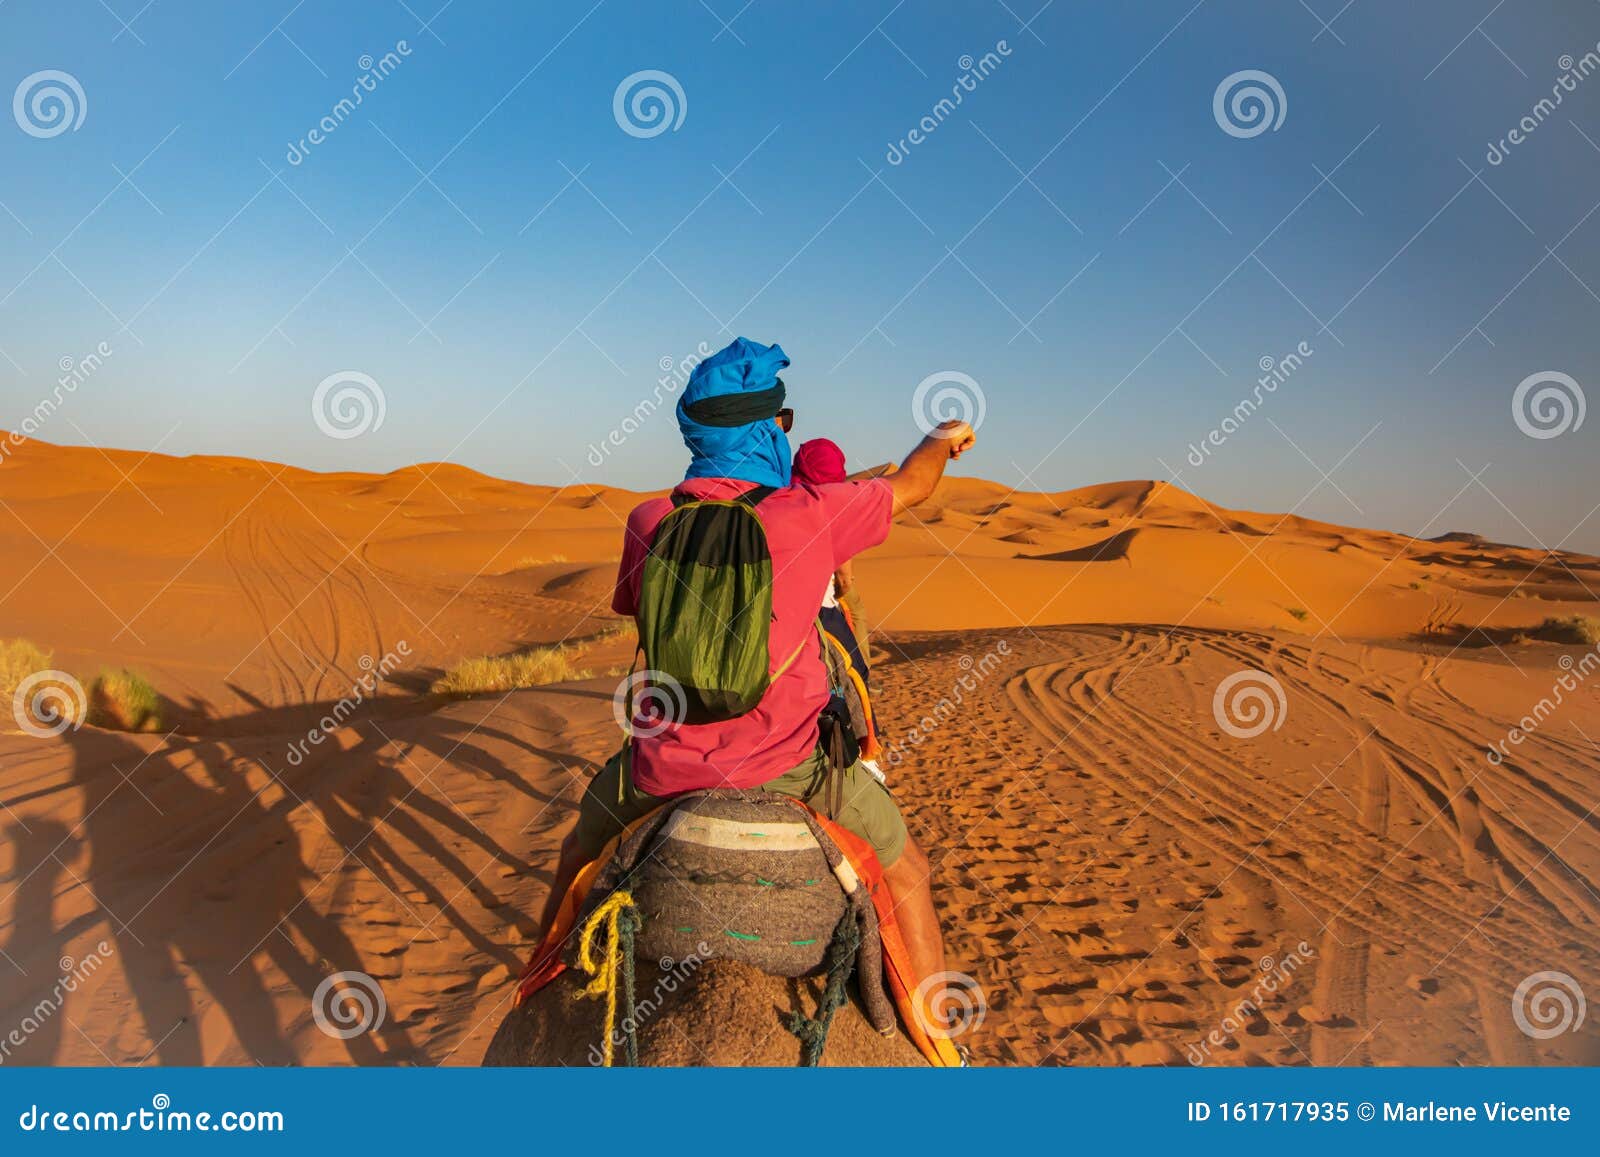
(1080, 237)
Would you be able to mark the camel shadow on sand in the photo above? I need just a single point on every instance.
(218, 870)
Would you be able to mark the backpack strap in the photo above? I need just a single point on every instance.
(815, 632)
(627, 739)
(751, 498)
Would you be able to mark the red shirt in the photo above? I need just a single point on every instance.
(811, 532)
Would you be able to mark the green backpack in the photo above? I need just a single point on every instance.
(705, 605)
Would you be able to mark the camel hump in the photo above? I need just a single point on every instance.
(727, 916)
(737, 878)
(712, 1012)
(752, 877)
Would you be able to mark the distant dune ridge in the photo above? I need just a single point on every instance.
(1116, 854)
(235, 583)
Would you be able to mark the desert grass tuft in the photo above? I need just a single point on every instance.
(1580, 629)
(51, 702)
(19, 659)
(499, 673)
(615, 631)
(123, 700)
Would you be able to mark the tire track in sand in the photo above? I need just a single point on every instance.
(1239, 817)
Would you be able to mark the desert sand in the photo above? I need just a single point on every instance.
(1117, 870)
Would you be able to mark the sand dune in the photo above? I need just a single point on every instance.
(1116, 869)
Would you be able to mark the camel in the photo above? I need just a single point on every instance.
(725, 1013)
(695, 1005)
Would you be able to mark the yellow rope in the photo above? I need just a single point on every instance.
(604, 972)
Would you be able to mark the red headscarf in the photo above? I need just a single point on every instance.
(817, 462)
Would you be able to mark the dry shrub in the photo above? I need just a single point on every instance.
(19, 659)
(123, 700)
(1583, 630)
(502, 673)
(50, 703)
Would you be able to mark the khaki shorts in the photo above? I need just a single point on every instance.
(612, 803)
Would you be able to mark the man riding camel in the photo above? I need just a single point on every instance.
(734, 422)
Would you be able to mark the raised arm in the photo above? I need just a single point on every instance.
(913, 483)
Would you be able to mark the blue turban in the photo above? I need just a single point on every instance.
(726, 415)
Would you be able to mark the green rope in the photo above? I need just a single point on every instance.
(628, 926)
(813, 1031)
